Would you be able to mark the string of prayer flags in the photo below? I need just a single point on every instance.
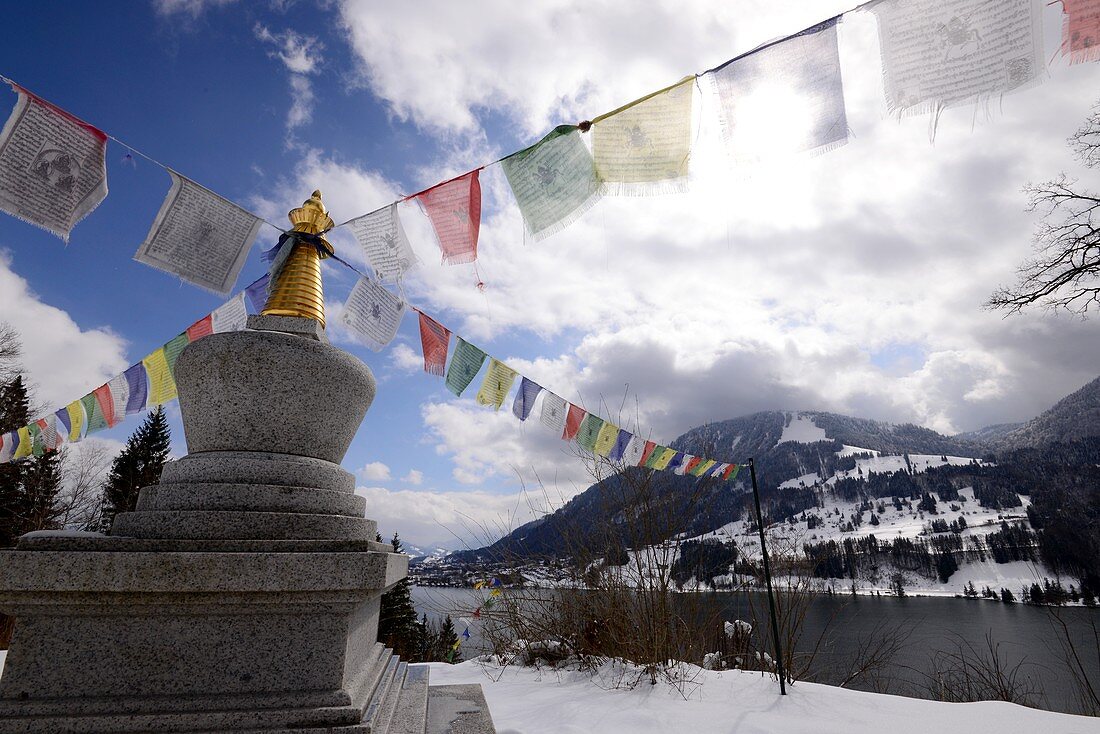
(644, 147)
(573, 422)
(787, 97)
(498, 381)
(939, 53)
(589, 431)
(1081, 30)
(162, 385)
(434, 340)
(554, 181)
(53, 166)
(553, 412)
(465, 364)
(384, 243)
(525, 398)
(605, 440)
(373, 313)
(454, 209)
(199, 236)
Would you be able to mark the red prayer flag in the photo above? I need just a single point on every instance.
(649, 446)
(729, 470)
(106, 404)
(454, 209)
(434, 338)
(1081, 30)
(573, 422)
(692, 463)
(199, 329)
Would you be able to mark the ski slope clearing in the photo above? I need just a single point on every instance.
(530, 700)
(802, 430)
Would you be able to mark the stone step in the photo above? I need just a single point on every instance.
(410, 716)
(379, 699)
(251, 498)
(380, 722)
(196, 524)
(258, 467)
(458, 709)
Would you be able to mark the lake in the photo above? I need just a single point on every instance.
(1026, 635)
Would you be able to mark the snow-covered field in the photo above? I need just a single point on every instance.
(527, 700)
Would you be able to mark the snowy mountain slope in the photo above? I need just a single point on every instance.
(1073, 417)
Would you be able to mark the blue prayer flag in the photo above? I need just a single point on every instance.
(525, 398)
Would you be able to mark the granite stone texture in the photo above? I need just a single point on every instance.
(411, 714)
(459, 709)
(258, 467)
(307, 328)
(273, 392)
(253, 497)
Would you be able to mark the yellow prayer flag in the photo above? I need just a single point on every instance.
(661, 461)
(644, 147)
(75, 409)
(25, 444)
(162, 387)
(605, 439)
(704, 467)
(498, 381)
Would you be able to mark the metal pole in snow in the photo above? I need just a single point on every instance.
(768, 580)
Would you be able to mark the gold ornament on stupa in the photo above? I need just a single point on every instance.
(298, 291)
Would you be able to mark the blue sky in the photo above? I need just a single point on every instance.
(848, 282)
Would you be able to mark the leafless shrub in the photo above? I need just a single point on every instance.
(965, 672)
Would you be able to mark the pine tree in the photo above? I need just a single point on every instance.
(14, 414)
(447, 646)
(398, 626)
(138, 465)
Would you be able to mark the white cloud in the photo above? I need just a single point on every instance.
(415, 476)
(192, 8)
(302, 56)
(62, 361)
(375, 471)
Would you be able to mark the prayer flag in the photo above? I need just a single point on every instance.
(644, 147)
(434, 339)
(37, 441)
(787, 97)
(7, 446)
(257, 293)
(25, 445)
(94, 414)
(703, 467)
(465, 364)
(525, 398)
(230, 316)
(573, 422)
(454, 209)
(50, 436)
(373, 313)
(53, 169)
(553, 412)
(687, 463)
(162, 386)
(659, 455)
(200, 328)
(939, 53)
(589, 431)
(622, 444)
(106, 404)
(731, 472)
(605, 441)
(466, 633)
(1081, 30)
(675, 462)
(75, 410)
(554, 181)
(138, 389)
(498, 381)
(119, 390)
(199, 236)
(63, 423)
(647, 453)
(384, 242)
(172, 351)
(716, 471)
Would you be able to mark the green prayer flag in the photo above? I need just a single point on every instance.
(554, 181)
(96, 420)
(589, 431)
(464, 366)
(38, 442)
(172, 351)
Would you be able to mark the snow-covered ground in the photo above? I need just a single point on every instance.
(527, 700)
(802, 430)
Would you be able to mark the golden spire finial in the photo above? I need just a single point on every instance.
(298, 292)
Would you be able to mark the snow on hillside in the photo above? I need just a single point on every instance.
(802, 430)
(530, 700)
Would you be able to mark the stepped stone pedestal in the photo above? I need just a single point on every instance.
(242, 595)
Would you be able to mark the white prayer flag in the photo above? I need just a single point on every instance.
(120, 395)
(384, 241)
(199, 236)
(230, 316)
(374, 313)
(939, 53)
(554, 411)
(784, 98)
(53, 169)
(634, 451)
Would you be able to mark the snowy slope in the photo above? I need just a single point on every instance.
(530, 701)
(802, 429)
